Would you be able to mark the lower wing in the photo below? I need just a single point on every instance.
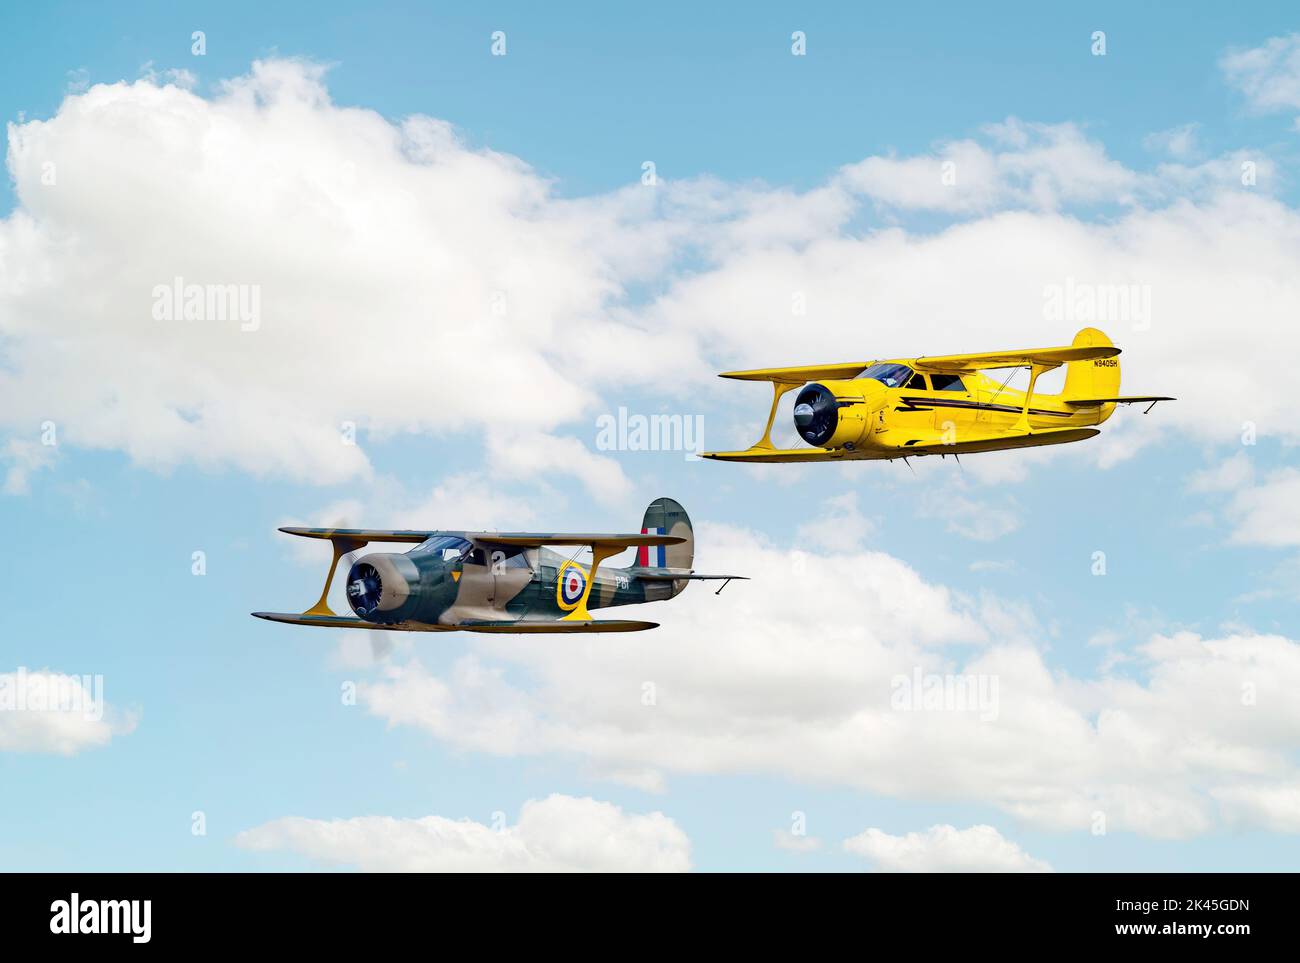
(1002, 442)
(772, 455)
(348, 622)
(523, 626)
(527, 626)
(996, 441)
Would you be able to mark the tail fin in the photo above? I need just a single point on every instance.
(667, 517)
(1098, 378)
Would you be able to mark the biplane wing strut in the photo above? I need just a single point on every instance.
(341, 547)
(345, 540)
(787, 379)
(1035, 369)
(1037, 360)
(598, 554)
(779, 388)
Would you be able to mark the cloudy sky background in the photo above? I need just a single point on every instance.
(456, 254)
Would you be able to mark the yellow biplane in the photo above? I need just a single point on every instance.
(941, 405)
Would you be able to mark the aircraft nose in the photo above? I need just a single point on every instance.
(379, 584)
(815, 414)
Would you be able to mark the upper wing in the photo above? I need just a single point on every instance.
(800, 374)
(1019, 358)
(1016, 358)
(362, 534)
(535, 539)
(526, 539)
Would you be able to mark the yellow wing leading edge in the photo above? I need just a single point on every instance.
(1044, 358)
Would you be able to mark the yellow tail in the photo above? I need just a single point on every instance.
(1091, 379)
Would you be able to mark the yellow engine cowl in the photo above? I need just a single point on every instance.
(837, 414)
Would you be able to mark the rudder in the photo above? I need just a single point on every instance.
(667, 517)
(1098, 378)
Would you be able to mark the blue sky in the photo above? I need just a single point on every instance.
(170, 446)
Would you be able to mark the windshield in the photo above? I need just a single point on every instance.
(446, 547)
(889, 373)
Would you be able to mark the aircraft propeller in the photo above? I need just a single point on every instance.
(815, 414)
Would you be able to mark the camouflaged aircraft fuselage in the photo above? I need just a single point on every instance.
(452, 579)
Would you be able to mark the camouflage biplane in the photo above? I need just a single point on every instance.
(505, 581)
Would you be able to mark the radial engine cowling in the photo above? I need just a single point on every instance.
(383, 587)
(838, 416)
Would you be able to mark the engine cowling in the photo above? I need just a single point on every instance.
(384, 587)
(837, 414)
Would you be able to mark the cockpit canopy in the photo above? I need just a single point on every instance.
(895, 374)
(455, 548)
(889, 373)
(447, 548)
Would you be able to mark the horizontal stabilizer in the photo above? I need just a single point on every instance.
(1124, 400)
(669, 575)
(1018, 358)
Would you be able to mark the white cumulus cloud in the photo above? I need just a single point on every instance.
(796, 674)
(403, 281)
(408, 284)
(944, 849)
(1268, 75)
(1262, 509)
(556, 834)
(53, 712)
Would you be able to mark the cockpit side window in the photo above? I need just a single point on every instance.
(947, 382)
(917, 383)
(889, 373)
(508, 556)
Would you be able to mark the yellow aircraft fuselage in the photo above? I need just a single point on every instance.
(887, 420)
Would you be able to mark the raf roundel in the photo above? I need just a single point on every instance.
(573, 583)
